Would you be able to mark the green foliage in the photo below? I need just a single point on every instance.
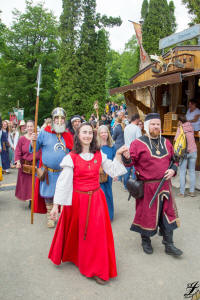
(31, 40)
(172, 16)
(83, 56)
(156, 25)
(144, 10)
(104, 21)
(122, 67)
(68, 75)
(194, 9)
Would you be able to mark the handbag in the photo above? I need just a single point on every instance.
(103, 177)
(27, 169)
(135, 188)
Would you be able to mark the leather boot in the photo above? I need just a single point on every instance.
(169, 244)
(160, 233)
(146, 244)
(50, 223)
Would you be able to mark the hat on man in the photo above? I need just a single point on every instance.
(152, 116)
(75, 118)
(148, 118)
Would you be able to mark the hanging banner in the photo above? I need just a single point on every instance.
(144, 57)
(19, 113)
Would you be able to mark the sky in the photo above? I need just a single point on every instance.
(126, 9)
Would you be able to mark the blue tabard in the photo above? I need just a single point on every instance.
(51, 157)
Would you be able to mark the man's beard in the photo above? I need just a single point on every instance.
(59, 128)
(155, 133)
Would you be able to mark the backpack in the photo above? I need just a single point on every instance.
(180, 145)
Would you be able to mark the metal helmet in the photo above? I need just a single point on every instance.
(58, 112)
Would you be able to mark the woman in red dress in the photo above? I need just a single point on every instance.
(84, 234)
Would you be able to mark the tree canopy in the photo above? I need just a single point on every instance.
(31, 40)
(194, 9)
(83, 56)
(159, 22)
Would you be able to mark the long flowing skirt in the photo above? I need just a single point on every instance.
(94, 256)
(24, 186)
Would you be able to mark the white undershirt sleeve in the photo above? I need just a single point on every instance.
(64, 185)
(112, 168)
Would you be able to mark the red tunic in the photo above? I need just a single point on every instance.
(24, 181)
(95, 255)
(152, 167)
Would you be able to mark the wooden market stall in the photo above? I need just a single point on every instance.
(166, 86)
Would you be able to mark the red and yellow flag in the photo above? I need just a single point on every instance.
(144, 57)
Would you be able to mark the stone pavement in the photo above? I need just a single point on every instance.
(27, 274)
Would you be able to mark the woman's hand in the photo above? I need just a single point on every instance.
(18, 165)
(54, 212)
(169, 174)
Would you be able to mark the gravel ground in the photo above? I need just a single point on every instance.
(26, 273)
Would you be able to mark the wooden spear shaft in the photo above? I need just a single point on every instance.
(34, 160)
(34, 142)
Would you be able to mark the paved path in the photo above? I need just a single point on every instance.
(26, 273)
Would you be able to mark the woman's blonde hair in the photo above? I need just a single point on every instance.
(120, 121)
(109, 140)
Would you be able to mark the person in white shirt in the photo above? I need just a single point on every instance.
(193, 115)
(13, 138)
(131, 132)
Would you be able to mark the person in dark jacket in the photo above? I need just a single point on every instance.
(118, 133)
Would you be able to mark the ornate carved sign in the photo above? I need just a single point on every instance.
(172, 63)
(182, 36)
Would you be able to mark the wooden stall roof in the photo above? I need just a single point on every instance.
(169, 79)
(194, 73)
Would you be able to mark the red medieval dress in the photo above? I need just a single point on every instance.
(150, 165)
(90, 247)
(24, 181)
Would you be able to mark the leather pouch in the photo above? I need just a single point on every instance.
(135, 188)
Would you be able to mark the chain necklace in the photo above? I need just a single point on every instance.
(157, 147)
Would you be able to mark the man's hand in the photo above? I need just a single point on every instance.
(54, 212)
(169, 174)
(33, 137)
(125, 151)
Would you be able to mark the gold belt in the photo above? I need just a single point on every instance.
(53, 170)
